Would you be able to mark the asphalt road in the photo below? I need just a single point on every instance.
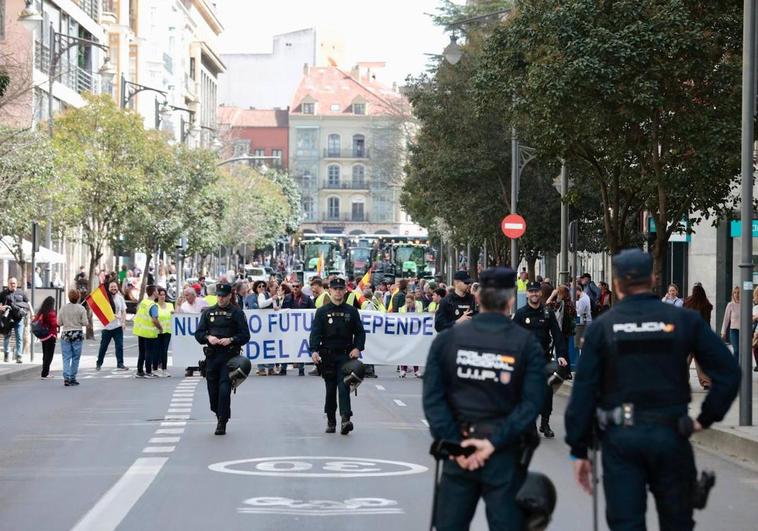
(116, 452)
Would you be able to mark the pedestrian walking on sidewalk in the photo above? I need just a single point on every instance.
(72, 318)
(730, 327)
(699, 302)
(115, 329)
(48, 318)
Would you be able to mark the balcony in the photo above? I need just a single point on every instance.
(355, 153)
(349, 218)
(74, 77)
(108, 12)
(92, 8)
(346, 185)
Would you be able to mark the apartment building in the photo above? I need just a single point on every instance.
(261, 133)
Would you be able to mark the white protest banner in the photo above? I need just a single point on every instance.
(282, 337)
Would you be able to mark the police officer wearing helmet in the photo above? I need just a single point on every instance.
(484, 386)
(633, 377)
(541, 321)
(337, 336)
(224, 330)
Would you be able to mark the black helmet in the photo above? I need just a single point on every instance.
(239, 369)
(537, 499)
(555, 375)
(353, 373)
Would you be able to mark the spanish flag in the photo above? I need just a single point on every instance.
(320, 265)
(100, 305)
(362, 285)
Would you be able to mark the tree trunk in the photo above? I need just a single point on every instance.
(660, 247)
(531, 260)
(473, 269)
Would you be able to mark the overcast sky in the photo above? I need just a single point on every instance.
(395, 31)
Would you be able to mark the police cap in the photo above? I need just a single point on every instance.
(337, 283)
(633, 264)
(223, 289)
(462, 276)
(534, 286)
(498, 278)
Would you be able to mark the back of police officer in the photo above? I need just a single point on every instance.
(224, 330)
(483, 387)
(634, 371)
(337, 335)
(541, 321)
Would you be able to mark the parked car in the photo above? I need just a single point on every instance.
(256, 273)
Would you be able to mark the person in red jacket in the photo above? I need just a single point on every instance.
(49, 318)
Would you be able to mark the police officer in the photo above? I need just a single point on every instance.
(223, 328)
(337, 335)
(541, 321)
(633, 376)
(459, 305)
(483, 388)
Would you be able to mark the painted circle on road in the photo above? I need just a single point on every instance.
(317, 467)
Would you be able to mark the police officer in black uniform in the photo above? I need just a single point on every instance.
(483, 388)
(633, 377)
(337, 335)
(458, 306)
(223, 328)
(541, 321)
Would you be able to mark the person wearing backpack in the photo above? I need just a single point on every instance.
(45, 328)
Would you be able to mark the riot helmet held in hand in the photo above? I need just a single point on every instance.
(353, 373)
(239, 369)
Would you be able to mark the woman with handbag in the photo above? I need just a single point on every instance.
(45, 328)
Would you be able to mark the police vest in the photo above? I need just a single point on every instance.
(521, 284)
(320, 300)
(164, 316)
(338, 321)
(419, 308)
(143, 323)
(645, 361)
(484, 371)
(432, 307)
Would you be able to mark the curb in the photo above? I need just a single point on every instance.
(718, 439)
(23, 371)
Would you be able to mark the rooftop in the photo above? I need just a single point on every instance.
(239, 117)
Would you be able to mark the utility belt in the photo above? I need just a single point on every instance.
(626, 416)
(328, 366)
(212, 351)
(527, 444)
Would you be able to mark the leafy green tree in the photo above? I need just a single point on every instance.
(640, 96)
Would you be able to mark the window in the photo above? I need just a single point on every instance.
(308, 207)
(333, 176)
(306, 142)
(308, 108)
(192, 68)
(278, 161)
(333, 146)
(359, 173)
(241, 148)
(260, 152)
(333, 208)
(359, 146)
(357, 213)
(359, 108)
(335, 107)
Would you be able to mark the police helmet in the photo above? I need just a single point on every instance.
(353, 373)
(239, 369)
(537, 499)
(555, 375)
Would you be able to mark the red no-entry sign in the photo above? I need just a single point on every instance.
(514, 226)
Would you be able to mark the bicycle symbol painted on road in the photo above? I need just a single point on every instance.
(317, 467)
(289, 506)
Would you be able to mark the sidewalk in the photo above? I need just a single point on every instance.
(726, 437)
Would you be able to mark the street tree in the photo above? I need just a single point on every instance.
(640, 96)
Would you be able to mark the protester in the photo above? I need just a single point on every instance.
(192, 303)
(259, 300)
(584, 312)
(700, 303)
(730, 327)
(115, 329)
(672, 296)
(72, 318)
(15, 305)
(606, 298)
(165, 311)
(47, 317)
(411, 306)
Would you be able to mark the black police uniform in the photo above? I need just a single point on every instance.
(542, 323)
(222, 323)
(484, 379)
(452, 307)
(337, 329)
(634, 369)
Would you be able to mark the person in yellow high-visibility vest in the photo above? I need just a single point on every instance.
(147, 326)
(437, 295)
(165, 311)
(320, 296)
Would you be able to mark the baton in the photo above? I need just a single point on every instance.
(594, 479)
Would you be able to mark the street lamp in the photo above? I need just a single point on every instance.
(129, 89)
(452, 51)
(29, 17)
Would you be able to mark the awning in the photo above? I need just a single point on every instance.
(44, 255)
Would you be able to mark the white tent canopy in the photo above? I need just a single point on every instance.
(44, 255)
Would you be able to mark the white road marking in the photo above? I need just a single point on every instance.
(317, 467)
(169, 431)
(164, 440)
(186, 400)
(176, 417)
(183, 395)
(380, 387)
(426, 423)
(180, 410)
(110, 510)
(399, 402)
(173, 423)
(158, 449)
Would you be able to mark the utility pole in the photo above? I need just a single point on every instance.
(564, 270)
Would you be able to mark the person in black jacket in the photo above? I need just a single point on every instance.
(297, 300)
(337, 335)
(483, 388)
(633, 377)
(224, 329)
(459, 306)
(541, 321)
(16, 304)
